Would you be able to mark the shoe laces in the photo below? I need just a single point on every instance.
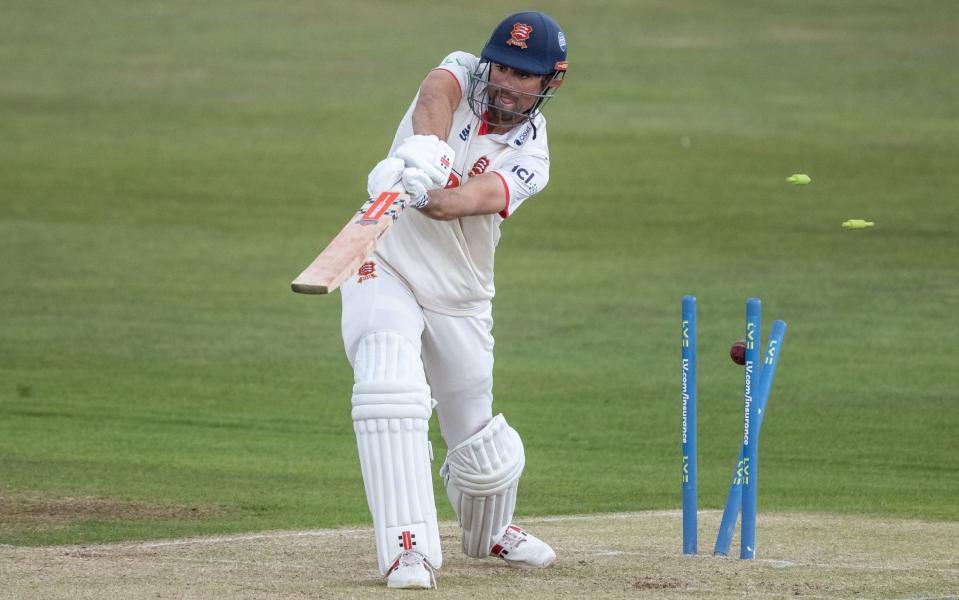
(412, 558)
(512, 538)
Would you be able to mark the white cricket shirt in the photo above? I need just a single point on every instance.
(449, 264)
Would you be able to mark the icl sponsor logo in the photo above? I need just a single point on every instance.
(523, 174)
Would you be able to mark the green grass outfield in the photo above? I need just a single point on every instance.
(166, 169)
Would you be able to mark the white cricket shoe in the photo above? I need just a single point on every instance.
(411, 571)
(521, 549)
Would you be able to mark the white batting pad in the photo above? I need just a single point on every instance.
(482, 475)
(391, 411)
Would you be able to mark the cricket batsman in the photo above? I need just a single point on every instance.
(417, 316)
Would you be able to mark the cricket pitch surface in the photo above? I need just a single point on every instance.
(623, 555)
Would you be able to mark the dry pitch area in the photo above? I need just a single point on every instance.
(600, 556)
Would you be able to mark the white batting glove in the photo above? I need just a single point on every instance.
(417, 184)
(386, 176)
(430, 154)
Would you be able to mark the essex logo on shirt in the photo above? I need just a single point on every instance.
(519, 35)
(367, 271)
(479, 167)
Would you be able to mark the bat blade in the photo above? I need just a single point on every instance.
(352, 245)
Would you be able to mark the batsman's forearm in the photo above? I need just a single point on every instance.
(432, 116)
(441, 206)
(433, 113)
(481, 195)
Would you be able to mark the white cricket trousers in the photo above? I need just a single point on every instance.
(457, 352)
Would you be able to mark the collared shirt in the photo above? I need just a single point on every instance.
(448, 265)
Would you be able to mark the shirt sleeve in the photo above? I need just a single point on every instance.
(459, 65)
(523, 175)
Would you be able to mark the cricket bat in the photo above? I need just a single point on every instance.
(352, 245)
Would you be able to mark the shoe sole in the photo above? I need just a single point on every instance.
(525, 565)
(410, 585)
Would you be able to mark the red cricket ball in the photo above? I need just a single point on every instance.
(737, 352)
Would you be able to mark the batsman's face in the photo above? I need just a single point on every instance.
(512, 93)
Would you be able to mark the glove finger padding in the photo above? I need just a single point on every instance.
(386, 176)
(430, 154)
(417, 183)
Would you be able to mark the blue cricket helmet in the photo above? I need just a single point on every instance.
(528, 41)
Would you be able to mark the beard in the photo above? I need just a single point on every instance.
(499, 116)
